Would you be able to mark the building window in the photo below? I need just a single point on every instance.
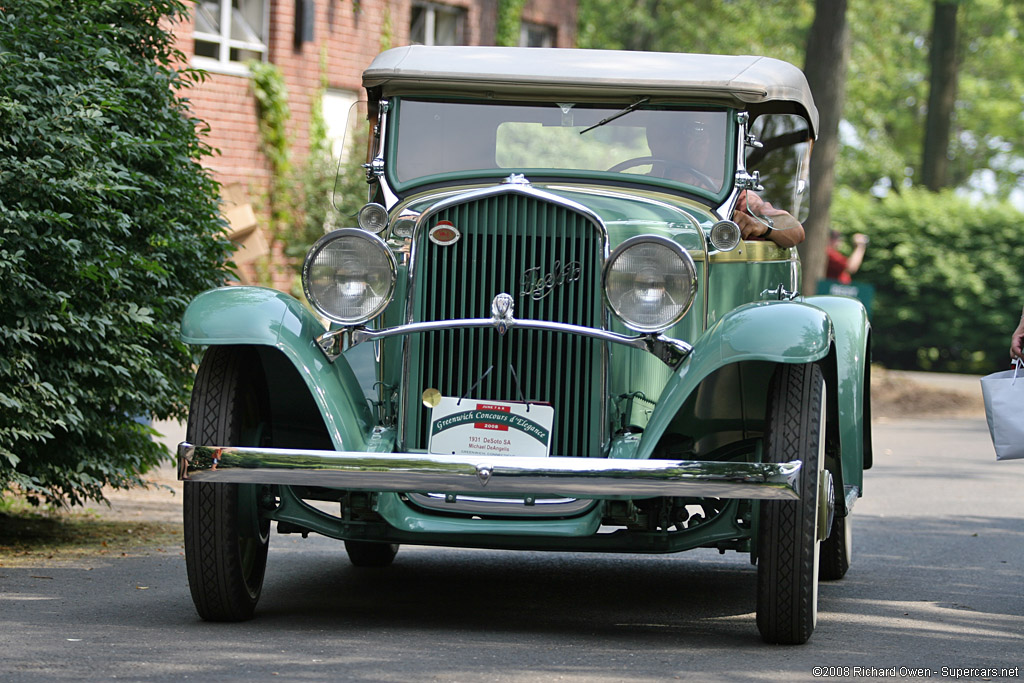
(536, 35)
(343, 118)
(436, 25)
(229, 33)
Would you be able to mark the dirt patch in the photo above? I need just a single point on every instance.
(918, 395)
(133, 522)
(41, 539)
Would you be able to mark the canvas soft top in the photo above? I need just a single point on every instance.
(758, 84)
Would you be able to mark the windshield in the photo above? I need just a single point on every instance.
(685, 146)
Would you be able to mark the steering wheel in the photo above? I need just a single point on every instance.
(683, 170)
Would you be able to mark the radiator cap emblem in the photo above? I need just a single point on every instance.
(501, 312)
(444, 234)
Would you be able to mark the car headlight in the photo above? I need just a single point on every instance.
(649, 283)
(725, 235)
(372, 217)
(349, 276)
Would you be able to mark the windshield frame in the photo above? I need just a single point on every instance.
(727, 152)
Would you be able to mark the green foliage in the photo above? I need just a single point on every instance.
(947, 276)
(510, 15)
(774, 28)
(271, 94)
(387, 30)
(888, 95)
(108, 227)
(887, 80)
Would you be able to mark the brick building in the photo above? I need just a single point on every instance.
(222, 36)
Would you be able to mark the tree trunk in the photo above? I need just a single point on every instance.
(941, 97)
(825, 67)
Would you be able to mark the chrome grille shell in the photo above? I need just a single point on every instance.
(505, 231)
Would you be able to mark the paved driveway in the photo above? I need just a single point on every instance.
(937, 582)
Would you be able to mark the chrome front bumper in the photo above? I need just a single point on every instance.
(599, 478)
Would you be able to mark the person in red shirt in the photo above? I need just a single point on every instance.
(841, 267)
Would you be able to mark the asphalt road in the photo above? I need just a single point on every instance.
(937, 582)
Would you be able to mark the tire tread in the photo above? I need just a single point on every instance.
(786, 600)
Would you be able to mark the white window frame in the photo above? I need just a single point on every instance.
(223, 63)
(431, 10)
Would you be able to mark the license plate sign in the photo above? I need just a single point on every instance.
(471, 427)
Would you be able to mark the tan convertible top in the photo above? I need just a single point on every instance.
(758, 84)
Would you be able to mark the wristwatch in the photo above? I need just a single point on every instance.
(767, 231)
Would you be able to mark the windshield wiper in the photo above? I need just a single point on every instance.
(643, 100)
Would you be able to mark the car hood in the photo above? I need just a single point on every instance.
(624, 212)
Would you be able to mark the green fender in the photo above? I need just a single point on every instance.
(266, 317)
(774, 331)
(850, 322)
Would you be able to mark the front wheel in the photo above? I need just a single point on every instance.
(226, 541)
(787, 539)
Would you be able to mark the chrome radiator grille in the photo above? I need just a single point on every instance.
(548, 257)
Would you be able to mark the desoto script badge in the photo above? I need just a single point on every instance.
(536, 284)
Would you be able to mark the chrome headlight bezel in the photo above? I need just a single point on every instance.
(385, 286)
(687, 280)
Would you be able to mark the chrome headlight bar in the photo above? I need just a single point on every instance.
(668, 350)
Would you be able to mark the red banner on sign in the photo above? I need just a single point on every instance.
(491, 425)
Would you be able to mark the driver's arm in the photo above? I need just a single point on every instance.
(786, 230)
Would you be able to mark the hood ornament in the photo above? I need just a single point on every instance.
(501, 312)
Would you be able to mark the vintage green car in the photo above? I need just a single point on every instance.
(548, 332)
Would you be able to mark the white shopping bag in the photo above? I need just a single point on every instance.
(1004, 408)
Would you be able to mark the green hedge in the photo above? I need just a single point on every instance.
(108, 227)
(948, 274)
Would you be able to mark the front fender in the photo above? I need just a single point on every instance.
(773, 331)
(266, 317)
(850, 322)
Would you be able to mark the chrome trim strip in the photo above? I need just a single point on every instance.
(519, 507)
(480, 474)
(670, 351)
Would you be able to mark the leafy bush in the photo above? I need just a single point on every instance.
(947, 273)
(108, 226)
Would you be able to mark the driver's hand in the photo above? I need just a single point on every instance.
(750, 227)
(748, 203)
